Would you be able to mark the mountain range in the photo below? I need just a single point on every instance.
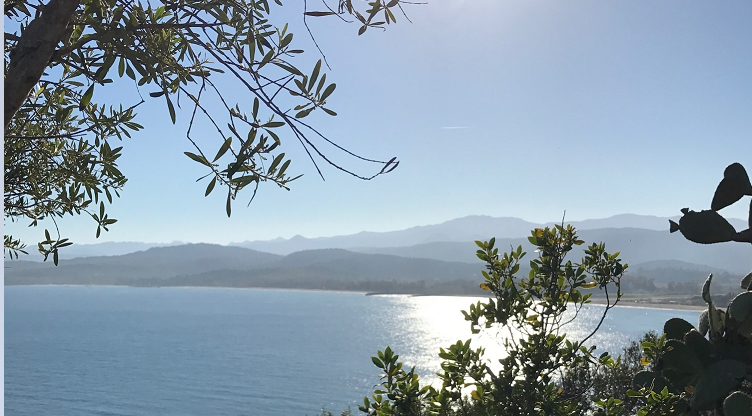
(418, 259)
(465, 229)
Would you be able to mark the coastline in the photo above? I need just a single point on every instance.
(626, 303)
(650, 305)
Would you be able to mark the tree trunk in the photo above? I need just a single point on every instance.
(33, 52)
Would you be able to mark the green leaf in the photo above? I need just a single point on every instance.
(268, 57)
(285, 40)
(276, 161)
(197, 158)
(321, 84)
(328, 91)
(314, 75)
(170, 108)
(210, 188)
(228, 206)
(86, 98)
(304, 113)
(222, 150)
(284, 167)
(319, 14)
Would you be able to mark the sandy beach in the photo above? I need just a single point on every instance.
(632, 303)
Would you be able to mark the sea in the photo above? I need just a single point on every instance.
(107, 351)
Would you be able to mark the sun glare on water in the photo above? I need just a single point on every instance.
(437, 322)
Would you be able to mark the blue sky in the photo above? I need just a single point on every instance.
(502, 108)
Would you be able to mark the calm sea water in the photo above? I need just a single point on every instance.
(196, 351)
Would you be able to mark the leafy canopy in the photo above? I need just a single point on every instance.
(60, 133)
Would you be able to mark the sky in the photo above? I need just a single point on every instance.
(503, 108)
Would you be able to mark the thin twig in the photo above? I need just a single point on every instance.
(305, 22)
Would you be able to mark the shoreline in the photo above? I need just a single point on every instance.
(650, 305)
(626, 303)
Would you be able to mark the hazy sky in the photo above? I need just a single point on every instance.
(503, 108)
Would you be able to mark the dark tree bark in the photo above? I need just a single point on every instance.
(33, 52)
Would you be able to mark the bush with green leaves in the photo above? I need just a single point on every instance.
(705, 369)
(533, 311)
(610, 381)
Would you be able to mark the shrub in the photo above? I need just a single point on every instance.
(527, 381)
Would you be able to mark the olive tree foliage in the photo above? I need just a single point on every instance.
(62, 140)
(530, 314)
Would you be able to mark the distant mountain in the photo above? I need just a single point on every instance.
(154, 263)
(100, 249)
(213, 265)
(648, 222)
(461, 229)
(635, 245)
(471, 228)
(429, 268)
(348, 265)
(673, 264)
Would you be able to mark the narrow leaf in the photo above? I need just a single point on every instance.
(328, 91)
(228, 207)
(318, 14)
(328, 111)
(211, 186)
(276, 161)
(222, 150)
(314, 74)
(171, 108)
(197, 158)
(86, 97)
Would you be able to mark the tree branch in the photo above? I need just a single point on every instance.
(34, 51)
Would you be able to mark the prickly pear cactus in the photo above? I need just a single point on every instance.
(737, 404)
(708, 226)
(708, 369)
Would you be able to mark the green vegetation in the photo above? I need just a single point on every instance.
(613, 381)
(60, 155)
(707, 369)
(690, 371)
(528, 381)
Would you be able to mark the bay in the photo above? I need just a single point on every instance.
(95, 350)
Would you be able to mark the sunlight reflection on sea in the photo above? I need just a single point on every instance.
(200, 351)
